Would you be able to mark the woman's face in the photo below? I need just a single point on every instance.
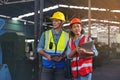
(76, 28)
(56, 23)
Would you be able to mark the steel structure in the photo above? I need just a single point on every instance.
(6, 2)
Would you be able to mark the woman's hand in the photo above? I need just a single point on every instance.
(84, 53)
(80, 50)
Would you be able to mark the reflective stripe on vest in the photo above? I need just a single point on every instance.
(58, 48)
(83, 66)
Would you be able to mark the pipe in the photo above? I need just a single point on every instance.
(36, 30)
(40, 32)
(89, 18)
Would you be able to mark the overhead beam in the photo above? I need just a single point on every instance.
(14, 2)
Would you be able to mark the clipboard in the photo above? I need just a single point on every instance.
(88, 45)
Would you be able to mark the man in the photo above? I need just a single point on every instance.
(52, 46)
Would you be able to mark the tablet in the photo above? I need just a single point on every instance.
(56, 55)
(87, 45)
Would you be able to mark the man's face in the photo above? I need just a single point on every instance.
(56, 23)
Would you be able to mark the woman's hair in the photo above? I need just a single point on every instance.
(72, 34)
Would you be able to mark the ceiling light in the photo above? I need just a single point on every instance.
(15, 18)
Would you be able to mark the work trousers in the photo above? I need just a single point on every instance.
(86, 77)
(52, 74)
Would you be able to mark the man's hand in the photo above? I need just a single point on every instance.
(49, 57)
(57, 58)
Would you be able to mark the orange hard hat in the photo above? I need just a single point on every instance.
(75, 20)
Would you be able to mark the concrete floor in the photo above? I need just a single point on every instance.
(110, 71)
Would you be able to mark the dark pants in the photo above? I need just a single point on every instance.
(52, 74)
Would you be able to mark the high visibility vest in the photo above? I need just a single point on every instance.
(81, 66)
(51, 48)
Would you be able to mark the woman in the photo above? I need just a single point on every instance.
(81, 63)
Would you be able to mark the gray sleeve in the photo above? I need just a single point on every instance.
(94, 49)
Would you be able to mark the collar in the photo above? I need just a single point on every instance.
(54, 33)
(78, 38)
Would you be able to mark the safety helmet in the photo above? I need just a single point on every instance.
(58, 15)
(75, 20)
